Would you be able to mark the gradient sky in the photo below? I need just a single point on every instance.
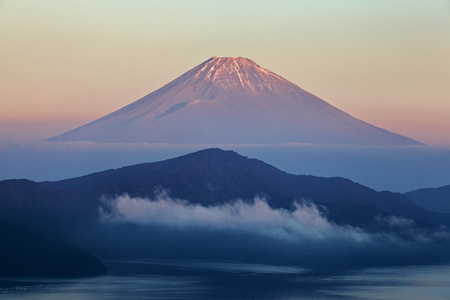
(385, 62)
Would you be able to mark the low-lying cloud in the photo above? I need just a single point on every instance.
(252, 231)
(305, 222)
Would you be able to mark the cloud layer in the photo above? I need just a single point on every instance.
(256, 217)
(255, 232)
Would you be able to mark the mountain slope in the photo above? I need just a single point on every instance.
(214, 176)
(208, 177)
(231, 100)
(26, 253)
(33, 205)
(434, 199)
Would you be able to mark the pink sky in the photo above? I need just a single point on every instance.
(385, 62)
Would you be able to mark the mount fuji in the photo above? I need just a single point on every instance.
(229, 100)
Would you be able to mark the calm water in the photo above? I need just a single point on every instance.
(162, 279)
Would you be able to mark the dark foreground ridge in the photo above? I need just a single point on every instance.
(207, 177)
(26, 253)
(210, 179)
(215, 176)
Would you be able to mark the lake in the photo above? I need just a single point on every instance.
(176, 279)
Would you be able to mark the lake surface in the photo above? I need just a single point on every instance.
(174, 279)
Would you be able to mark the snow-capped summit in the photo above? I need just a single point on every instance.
(239, 74)
(232, 100)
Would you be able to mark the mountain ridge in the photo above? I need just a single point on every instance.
(213, 177)
(209, 179)
(433, 199)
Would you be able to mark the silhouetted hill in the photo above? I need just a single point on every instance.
(25, 253)
(31, 204)
(215, 176)
(211, 177)
(433, 199)
(207, 177)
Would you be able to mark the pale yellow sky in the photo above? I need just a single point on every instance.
(385, 62)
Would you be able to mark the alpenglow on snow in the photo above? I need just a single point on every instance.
(228, 100)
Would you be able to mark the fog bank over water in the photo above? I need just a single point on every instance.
(397, 169)
(252, 231)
